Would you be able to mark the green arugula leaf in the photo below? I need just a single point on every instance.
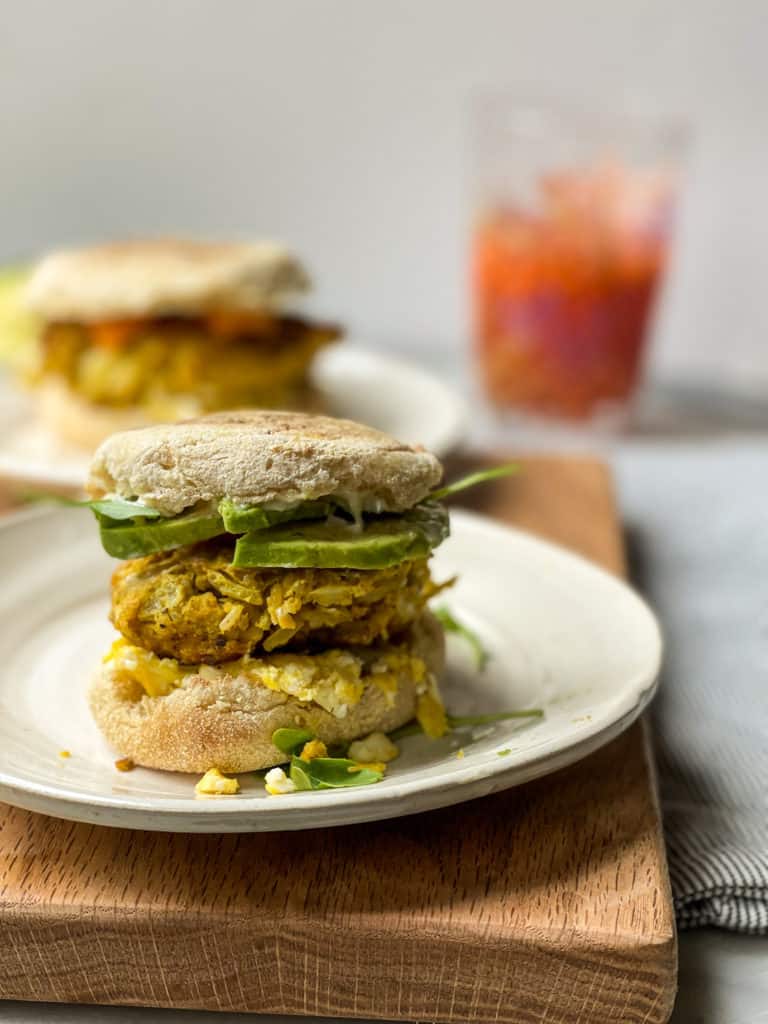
(330, 773)
(480, 477)
(120, 509)
(117, 509)
(291, 741)
(452, 625)
(298, 775)
(413, 728)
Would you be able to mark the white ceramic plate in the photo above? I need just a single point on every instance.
(563, 635)
(389, 394)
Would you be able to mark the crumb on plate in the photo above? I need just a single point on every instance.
(277, 783)
(375, 747)
(213, 783)
(374, 766)
(312, 749)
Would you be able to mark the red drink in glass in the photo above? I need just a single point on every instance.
(564, 285)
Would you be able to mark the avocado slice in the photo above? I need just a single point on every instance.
(244, 518)
(382, 541)
(127, 532)
(133, 538)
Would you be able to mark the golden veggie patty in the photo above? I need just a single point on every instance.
(192, 605)
(181, 357)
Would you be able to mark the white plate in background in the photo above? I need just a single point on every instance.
(563, 635)
(387, 393)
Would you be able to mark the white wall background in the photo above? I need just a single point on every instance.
(340, 126)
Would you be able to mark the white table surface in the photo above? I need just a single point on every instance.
(723, 977)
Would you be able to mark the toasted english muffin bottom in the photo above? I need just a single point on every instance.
(225, 716)
(83, 424)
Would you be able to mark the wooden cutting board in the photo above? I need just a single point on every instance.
(548, 902)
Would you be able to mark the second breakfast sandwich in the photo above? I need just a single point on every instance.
(151, 330)
(276, 578)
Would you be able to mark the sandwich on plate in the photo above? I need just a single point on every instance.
(272, 595)
(139, 332)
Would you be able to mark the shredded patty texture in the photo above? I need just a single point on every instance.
(192, 605)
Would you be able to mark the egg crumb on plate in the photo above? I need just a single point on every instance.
(277, 783)
(64, 753)
(312, 749)
(375, 747)
(213, 783)
(373, 766)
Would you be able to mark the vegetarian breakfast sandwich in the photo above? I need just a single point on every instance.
(146, 331)
(275, 578)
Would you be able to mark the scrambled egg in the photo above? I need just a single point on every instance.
(377, 747)
(277, 783)
(213, 783)
(192, 604)
(143, 363)
(157, 676)
(333, 679)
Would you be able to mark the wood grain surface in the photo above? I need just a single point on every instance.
(549, 902)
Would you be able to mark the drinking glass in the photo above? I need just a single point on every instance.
(574, 213)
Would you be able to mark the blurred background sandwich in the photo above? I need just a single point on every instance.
(144, 331)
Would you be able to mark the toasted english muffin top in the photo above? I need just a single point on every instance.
(159, 277)
(262, 458)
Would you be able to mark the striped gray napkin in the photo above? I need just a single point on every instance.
(697, 517)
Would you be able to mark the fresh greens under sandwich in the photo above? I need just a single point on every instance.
(276, 577)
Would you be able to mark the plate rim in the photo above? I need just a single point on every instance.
(246, 820)
(18, 469)
(452, 438)
(245, 815)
